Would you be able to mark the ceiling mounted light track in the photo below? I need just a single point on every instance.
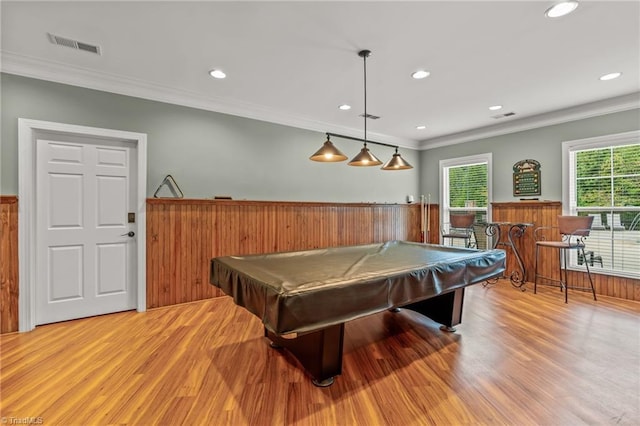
(329, 153)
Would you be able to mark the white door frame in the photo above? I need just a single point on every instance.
(27, 132)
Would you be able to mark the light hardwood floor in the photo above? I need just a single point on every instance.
(517, 358)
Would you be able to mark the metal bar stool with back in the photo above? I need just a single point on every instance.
(573, 230)
(461, 226)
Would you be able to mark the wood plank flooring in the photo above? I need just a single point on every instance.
(517, 358)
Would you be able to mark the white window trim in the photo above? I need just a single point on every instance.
(568, 174)
(463, 161)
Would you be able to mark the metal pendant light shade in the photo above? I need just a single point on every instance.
(397, 163)
(328, 153)
(365, 158)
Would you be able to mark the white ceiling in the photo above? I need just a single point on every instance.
(294, 63)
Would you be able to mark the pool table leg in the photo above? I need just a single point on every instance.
(319, 352)
(445, 309)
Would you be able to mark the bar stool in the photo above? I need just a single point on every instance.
(460, 226)
(573, 230)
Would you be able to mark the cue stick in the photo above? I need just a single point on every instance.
(428, 216)
(422, 219)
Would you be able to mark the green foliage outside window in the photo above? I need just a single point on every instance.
(468, 184)
(608, 177)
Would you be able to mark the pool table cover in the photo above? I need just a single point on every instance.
(302, 291)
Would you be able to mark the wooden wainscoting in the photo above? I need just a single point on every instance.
(8, 263)
(184, 234)
(545, 213)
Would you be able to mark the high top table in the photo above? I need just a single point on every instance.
(515, 230)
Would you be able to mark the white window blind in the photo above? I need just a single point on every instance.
(604, 182)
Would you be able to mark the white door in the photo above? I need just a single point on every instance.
(85, 243)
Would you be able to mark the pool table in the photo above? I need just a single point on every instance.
(304, 298)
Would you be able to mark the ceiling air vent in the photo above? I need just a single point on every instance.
(370, 116)
(506, 114)
(74, 44)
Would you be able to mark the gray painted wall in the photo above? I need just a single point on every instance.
(543, 144)
(206, 152)
(217, 154)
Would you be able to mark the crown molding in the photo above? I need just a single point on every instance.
(579, 112)
(57, 72)
(12, 63)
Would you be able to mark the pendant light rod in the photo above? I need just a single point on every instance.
(364, 54)
(361, 140)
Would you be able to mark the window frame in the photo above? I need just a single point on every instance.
(444, 185)
(569, 192)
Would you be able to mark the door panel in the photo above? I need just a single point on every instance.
(112, 157)
(111, 276)
(65, 153)
(111, 197)
(66, 190)
(85, 262)
(65, 273)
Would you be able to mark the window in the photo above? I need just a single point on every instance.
(465, 187)
(602, 179)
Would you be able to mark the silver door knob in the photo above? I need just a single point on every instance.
(129, 234)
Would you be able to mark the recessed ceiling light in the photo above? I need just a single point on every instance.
(217, 74)
(495, 107)
(420, 74)
(421, 127)
(345, 107)
(561, 9)
(610, 76)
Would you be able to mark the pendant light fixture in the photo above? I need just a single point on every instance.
(397, 163)
(329, 153)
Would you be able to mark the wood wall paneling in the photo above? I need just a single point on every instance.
(8, 264)
(539, 214)
(183, 235)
